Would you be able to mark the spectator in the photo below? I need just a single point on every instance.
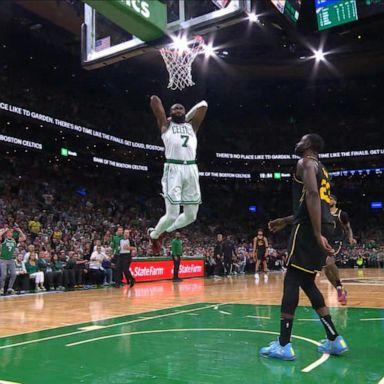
(57, 234)
(96, 272)
(107, 266)
(241, 262)
(80, 270)
(69, 264)
(44, 265)
(7, 261)
(57, 272)
(31, 248)
(22, 278)
(34, 272)
(34, 227)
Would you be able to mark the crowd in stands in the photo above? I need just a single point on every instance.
(69, 231)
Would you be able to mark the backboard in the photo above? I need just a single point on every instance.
(105, 42)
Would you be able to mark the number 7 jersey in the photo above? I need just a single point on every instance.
(300, 210)
(180, 142)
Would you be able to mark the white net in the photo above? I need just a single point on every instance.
(178, 61)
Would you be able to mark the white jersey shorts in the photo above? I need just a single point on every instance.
(181, 184)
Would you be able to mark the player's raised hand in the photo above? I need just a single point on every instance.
(352, 241)
(277, 225)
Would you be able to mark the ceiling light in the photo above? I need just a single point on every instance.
(319, 55)
(253, 17)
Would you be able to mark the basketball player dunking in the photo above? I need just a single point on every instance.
(260, 249)
(307, 251)
(180, 180)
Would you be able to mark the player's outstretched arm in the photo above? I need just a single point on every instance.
(280, 223)
(159, 112)
(197, 114)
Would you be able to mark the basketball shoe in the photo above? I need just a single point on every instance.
(335, 347)
(277, 351)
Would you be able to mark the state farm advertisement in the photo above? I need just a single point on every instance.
(161, 270)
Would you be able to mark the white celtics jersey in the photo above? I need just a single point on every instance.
(180, 142)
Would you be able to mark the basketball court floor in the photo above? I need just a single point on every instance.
(196, 331)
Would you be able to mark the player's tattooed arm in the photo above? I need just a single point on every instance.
(159, 112)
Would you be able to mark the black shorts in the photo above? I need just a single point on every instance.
(261, 256)
(304, 252)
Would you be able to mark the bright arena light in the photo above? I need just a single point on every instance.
(180, 43)
(253, 17)
(209, 50)
(319, 55)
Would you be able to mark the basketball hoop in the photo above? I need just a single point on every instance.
(178, 61)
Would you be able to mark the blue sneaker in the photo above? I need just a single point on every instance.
(335, 347)
(276, 351)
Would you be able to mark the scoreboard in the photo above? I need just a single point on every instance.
(332, 13)
(327, 14)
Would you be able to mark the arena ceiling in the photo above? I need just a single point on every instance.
(272, 48)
